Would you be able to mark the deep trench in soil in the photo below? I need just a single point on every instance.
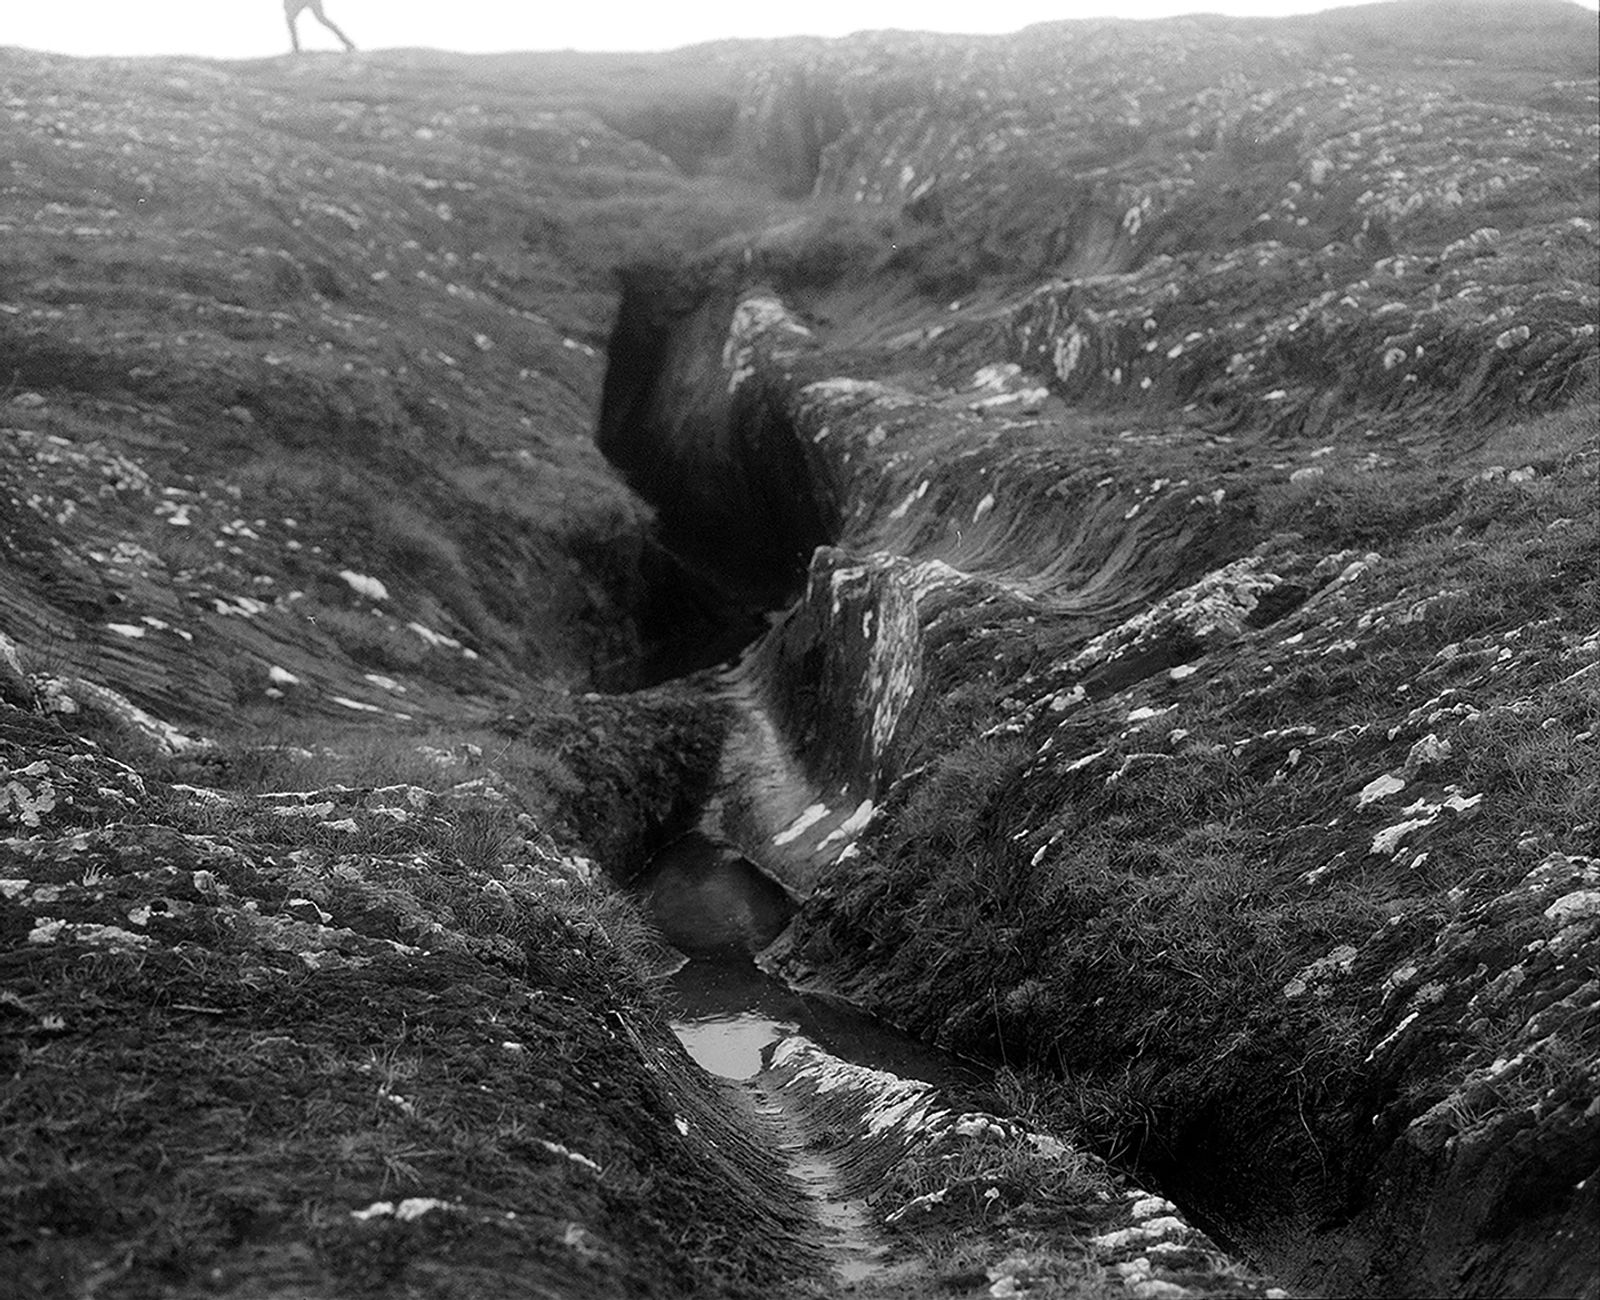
(719, 909)
(739, 503)
(739, 510)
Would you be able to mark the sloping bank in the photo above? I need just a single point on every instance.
(357, 1040)
(1220, 756)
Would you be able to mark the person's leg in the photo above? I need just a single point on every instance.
(291, 11)
(316, 12)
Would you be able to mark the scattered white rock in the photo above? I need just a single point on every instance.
(413, 1207)
(357, 705)
(30, 804)
(556, 1149)
(48, 929)
(801, 824)
(440, 639)
(1380, 788)
(850, 826)
(363, 585)
(1334, 963)
(1430, 749)
(1579, 905)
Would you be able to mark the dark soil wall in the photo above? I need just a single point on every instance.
(738, 499)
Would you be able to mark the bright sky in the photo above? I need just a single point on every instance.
(251, 28)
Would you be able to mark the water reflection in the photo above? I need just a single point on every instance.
(727, 1013)
(713, 904)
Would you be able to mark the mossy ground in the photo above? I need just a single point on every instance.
(235, 1023)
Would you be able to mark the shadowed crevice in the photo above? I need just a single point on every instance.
(740, 502)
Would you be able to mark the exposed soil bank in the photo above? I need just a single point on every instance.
(860, 1115)
(738, 502)
(912, 1190)
(926, 1193)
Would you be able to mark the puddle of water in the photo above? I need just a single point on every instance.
(714, 905)
(728, 1013)
(854, 1036)
(707, 898)
(730, 1046)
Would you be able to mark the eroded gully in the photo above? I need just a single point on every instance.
(733, 1018)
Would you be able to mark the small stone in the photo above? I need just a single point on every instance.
(1380, 788)
(1580, 904)
(1430, 749)
(364, 585)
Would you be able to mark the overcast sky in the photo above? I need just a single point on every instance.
(250, 28)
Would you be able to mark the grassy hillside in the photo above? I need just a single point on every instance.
(1159, 462)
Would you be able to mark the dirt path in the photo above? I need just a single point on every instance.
(914, 1195)
(856, 1249)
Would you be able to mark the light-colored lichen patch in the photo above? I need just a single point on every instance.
(1336, 963)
